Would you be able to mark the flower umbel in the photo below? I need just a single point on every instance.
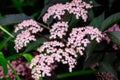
(75, 7)
(78, 37)
(29, 28)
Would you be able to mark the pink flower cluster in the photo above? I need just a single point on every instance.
(19, 66)
(78, 38)
(76, 7)
(59, 29)
(52, 52)
(28, 27)
(115, 27)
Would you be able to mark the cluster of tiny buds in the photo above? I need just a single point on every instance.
(28, 28)
(78, 37)
(41, 64)
(75, 7)
(58, 29)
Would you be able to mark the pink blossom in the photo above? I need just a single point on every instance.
(78, 8)
(51, 52)
(28, 29)
(30, 25)
(59, 29)
(78, 37)
(50, 47)
(56, 11)
(19, 66)
(41, 64)
(115, 27)
(23, 39)
(75, 7)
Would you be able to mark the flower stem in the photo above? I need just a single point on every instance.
(44, 26)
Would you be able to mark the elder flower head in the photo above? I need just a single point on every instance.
(28, 29)
(78, 8)
(78, 37)
(41, 64)
(59, 29)
(30, 25)
(75, 7)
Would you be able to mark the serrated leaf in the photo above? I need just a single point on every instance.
(111, 20)
(3, 63)
(27, 56)
(97, 21)
(13, 19)
(115, 37)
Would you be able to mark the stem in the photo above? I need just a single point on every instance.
(44, 26)
(15, 73)
(6, 31)
(43, 36)
(75, 73)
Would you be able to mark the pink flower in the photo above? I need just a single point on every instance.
(78, 8)
(78, 37)
(75, 7)
(50, 53)
(50, 47)
(56, 11)
(30, 25)
(23, 39)
(20, 67)
(115, 27)
(28, 29)
(59, 29)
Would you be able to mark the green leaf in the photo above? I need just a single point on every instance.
(97, 21)
(90, 48)
(3, 63)
(35, 44)
(115, 37)
(27, 56)
(4, 30)
(111, 20)
(75, 73)
(12, 57)
(13, 19)
(40, 78)
(105, 67)
(109, 58)
(92, 60)
(3, 43)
